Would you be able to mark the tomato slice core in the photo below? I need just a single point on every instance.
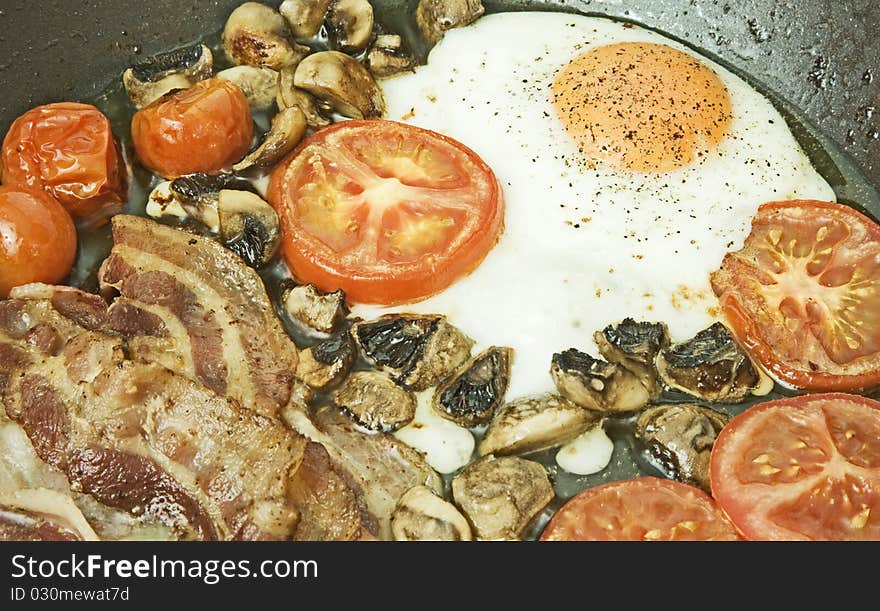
(388, 212)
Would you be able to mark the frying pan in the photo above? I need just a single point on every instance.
(822, 56)
(817, 60)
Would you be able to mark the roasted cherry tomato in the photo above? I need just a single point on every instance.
(388, 212)
(204, 128)
(68, 150)
(801, 468)
(37, 238)
(803, 295)
(642, 509)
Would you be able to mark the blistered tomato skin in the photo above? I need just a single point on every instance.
(37, 238)
(205, 128)
(68, 150)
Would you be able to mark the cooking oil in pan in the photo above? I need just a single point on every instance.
(629, 459)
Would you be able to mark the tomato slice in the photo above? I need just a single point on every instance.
(641, 509)
(388, 212)
(68, 150)
(803, 294)
(802, 468)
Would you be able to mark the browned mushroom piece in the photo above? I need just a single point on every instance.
(387, 56)
(421, 515)
(162, 204)
(228, 207)
(350, 25)
(711, 366)
(321, 312)
(257, 35)
(248, 226)
(374, 401)
(596, 384)
(305, 17)
(435, 17)
(502, 496)
(202, 190)
(537, 423)
(634, 345)
(472, 395)
(289, 95)
(328, 362)
(194, 196)
(342, 82)
(287, 129)
(150, 79)
(680, 438)
(259, 85)
(418, 351)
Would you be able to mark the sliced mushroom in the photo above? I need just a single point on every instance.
(318, 311)
(142, 94)
(387, 56)
(248, 226)
(327, 362)
(289, 95)
(680, 439)
(350, 25)
(287, 129)
(305, 17)
(472, 395)
(259, 85)
(149, 80)
(342, 82)
(435, 17)
(418, 350)
(374, 401)
(634, 345)
(257, 35)
(197, 194)
(596, 384)
(421, 515)
(535, 423)
(501, 496)
(193, 196)
(195, 188)
(162, 203)
(194, 62)
(710, 365)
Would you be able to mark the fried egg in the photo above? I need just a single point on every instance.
(629, 165)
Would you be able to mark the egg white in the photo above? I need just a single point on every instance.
(586, 247)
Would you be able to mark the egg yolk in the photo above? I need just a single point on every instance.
(642, 107)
